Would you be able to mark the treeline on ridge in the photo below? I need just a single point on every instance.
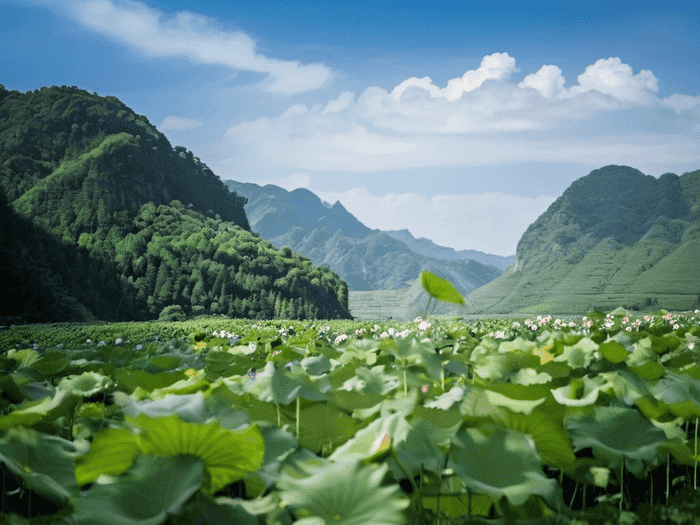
(95, 226)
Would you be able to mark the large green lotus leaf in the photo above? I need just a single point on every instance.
(344, 493)
(228, 455)
(371, 381)
(545, 431)
(580, 354)
(10, 387)
(185, 386)
(323, 424)
(86, 384)
(191, 408)
(626, 385)
(613, 351)
(44, 463)
(440, 288)
(614, 433)
(30, 413)
(129, 380)
(400, 404)
(152, 490)
(448, 399)
(369, 439)
(24, 357)
(422, 448)
(502, 464)
(51, 363)
(352, 400)
(581, 392)
(680, 393)
(112, 452)
(316, 365)
(279, 444)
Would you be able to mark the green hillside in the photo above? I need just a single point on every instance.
(615, 238)
(102, 219)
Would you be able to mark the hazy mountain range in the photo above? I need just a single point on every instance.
(367, 259)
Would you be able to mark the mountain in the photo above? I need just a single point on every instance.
(103, 219)
(328, 234)
(428, 248)
(615, 237)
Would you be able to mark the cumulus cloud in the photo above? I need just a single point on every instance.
(191, 36)
(680, 103)
(293, 181)
(479, 118)
(489, 222)
(177, 123)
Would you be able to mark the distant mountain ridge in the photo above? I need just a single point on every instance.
(615, 237)
(428, 248)
(328, 234)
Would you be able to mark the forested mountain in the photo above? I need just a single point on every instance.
(615, 237)
(428, 248)
(104, 219)
(367, 259)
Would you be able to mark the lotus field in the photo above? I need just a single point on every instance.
(337, 422)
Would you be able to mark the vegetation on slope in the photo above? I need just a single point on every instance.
(614, 238)
(95, 225)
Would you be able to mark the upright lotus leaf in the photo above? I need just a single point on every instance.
(613, 351)
(25, 357)
(128, 380)
(279, 445)
(316, 365)
(44, 463)
(228, 455)
(581, 392)
(614, 433)
(324, 425)
(544, 430)
(373, 381)
(369, 440)
(446, 400)
(86, 384)
(112, 452)
(423, 446)
(580, 354)
(439, 288)
(30, 413)
(680, 393)
(344, 493)
(154, 489)
(191, 408)
(52, 363)
(502, 464)
(189, 385)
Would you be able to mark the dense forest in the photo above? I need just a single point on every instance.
(94, 224)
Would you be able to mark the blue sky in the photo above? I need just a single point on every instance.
(461, 122)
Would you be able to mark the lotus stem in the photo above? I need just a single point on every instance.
(298, 417)
(668, 474)
(695, 475)
(622, 481)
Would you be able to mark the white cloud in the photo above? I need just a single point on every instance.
(479, 118)
(192, 36)
(293, 181)
(178, 123)
(489, 222)
(680, 103)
